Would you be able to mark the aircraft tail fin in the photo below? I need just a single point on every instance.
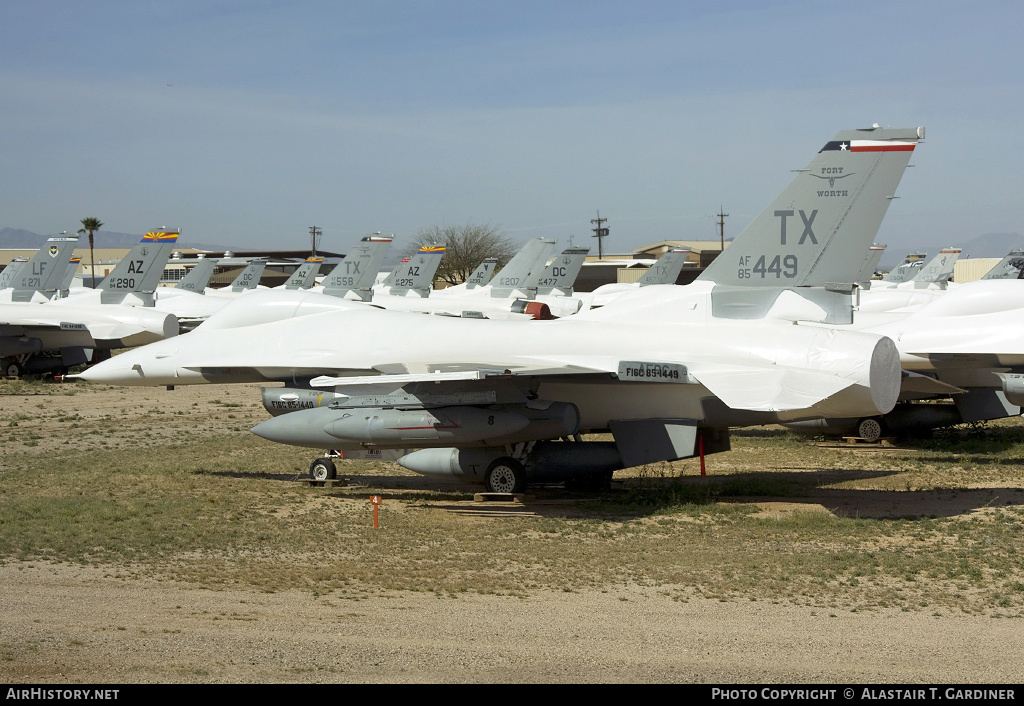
(69, 276)
(906, 270)
(482, 274)
(415, 275)
(817, 230)
(1010, 267)
(558, 277)
(938, 270)
(358, 270)
(867, 271)
(45, 272)
(198, 277)
(305, 276)
(9, 273)
(667, 268)
(250, 275)
(523, 271)
(140, 271)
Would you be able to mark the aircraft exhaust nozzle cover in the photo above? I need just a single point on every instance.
(847, 187)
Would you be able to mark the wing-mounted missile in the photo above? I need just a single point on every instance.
(341, 427)
(1013, 387)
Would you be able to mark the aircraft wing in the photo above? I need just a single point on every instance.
(770, 389)
(924, 384)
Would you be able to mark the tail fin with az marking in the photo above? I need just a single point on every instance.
(304, 275)
(414, 276)
(815, 233)
(135, 279)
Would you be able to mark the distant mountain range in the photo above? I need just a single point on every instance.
(18, 239)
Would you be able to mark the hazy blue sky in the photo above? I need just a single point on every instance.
(245, 122)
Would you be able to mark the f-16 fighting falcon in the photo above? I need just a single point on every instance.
(665, 369)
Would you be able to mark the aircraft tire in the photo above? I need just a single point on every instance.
(322, 469)
(505, 475)
(12, 370)
(870, 429)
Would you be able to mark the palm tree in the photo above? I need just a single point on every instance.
(91, 225)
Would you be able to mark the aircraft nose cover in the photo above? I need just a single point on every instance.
(885, 375)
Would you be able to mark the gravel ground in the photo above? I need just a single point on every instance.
(71, 625)
(67, 624)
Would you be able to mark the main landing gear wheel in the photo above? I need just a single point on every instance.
(505, 475)
(322, 469)
(12, 370)
(870, 429)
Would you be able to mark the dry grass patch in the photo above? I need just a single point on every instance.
(172, 485)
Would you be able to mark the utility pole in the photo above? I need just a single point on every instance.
(721, 226)
(599, 233)
(314, 236)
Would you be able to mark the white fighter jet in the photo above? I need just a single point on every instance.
(666, 369)
(59, 333)
(957, 344)
(665, 270)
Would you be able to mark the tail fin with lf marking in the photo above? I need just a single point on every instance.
(45, 272)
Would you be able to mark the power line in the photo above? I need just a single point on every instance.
(314, 235)
(721, 225)
(599, 233)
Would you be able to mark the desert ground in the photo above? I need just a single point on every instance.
(147, 537)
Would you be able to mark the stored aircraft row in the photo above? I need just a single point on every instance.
(763, 335)
(782, 328)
